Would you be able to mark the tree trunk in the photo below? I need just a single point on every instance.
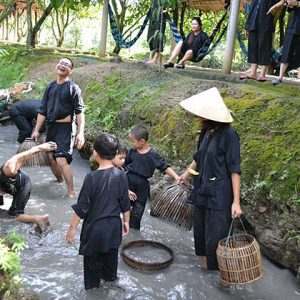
(39, 24)
(29, 23)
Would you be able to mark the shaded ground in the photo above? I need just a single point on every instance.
(54, 269)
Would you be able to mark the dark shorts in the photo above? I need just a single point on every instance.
(63, 134)
(100, 266)
(259, 47)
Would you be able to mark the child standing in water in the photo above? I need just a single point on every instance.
(103, 196)
(140, 165)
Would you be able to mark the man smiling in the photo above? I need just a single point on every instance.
(62, 108)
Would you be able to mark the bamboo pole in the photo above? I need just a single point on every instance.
(231, 32)
(102, 48)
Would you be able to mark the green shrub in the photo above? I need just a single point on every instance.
(10, 248)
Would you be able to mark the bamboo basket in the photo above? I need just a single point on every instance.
(36, 160)
(172, 206)
(239, 258)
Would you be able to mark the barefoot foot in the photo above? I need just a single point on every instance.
(42, 222)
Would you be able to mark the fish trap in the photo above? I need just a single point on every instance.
(173, 207)
(239, 259)
(36, 160)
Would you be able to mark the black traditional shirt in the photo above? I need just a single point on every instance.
(145, 164)
(61, 100)
(103, 196)
(217, 158)
(258, 20)
(26, 108)
(9, 185)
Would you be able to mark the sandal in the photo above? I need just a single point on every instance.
(276, 81)
(261, 79)
(180, 66)
(246, 76)
(168, 65)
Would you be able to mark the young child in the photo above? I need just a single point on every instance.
(103, 196)
(119, 161)
(140, 165)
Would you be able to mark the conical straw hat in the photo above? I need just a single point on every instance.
(208, 105)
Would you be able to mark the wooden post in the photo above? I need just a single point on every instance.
(6, 30)
(102, 49)
(15, 25)
(231, 33)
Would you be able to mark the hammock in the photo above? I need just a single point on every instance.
(117, 35)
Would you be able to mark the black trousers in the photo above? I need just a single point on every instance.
(141, 187)
(22, 195)
(210, 226)
(259, 47)
(24, 125)
(291, 50)
(100, 266)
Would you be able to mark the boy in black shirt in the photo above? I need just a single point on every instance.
(103, 196)
(61, 106)
(140, 165)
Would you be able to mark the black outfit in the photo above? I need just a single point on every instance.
(23, 113)
(140, 167)
(260, 27)
(217, 157)
(19, 187)
(157, 23)
(291, 46)
(60, 101)
(103, 196)
(194, 43)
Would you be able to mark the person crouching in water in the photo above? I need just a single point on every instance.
(217, 198)
(15, 182)
(103, 196)
(140, 164)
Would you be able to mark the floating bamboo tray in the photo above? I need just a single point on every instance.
(239, 259)
(172, 206)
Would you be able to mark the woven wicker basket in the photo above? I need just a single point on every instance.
(36, 160)
(239, 259)
(171, 205)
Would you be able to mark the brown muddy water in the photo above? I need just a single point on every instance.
(53, 269)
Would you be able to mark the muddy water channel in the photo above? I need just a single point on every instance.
(53, 269)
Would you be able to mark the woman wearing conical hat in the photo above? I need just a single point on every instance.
(216, 194)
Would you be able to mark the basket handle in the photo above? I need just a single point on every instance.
(231, 230)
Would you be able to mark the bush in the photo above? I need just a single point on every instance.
(10, 248)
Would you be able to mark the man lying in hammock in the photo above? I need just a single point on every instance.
(15, 182)
(188, 48)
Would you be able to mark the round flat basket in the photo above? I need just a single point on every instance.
(239, 259)
(143, 246)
